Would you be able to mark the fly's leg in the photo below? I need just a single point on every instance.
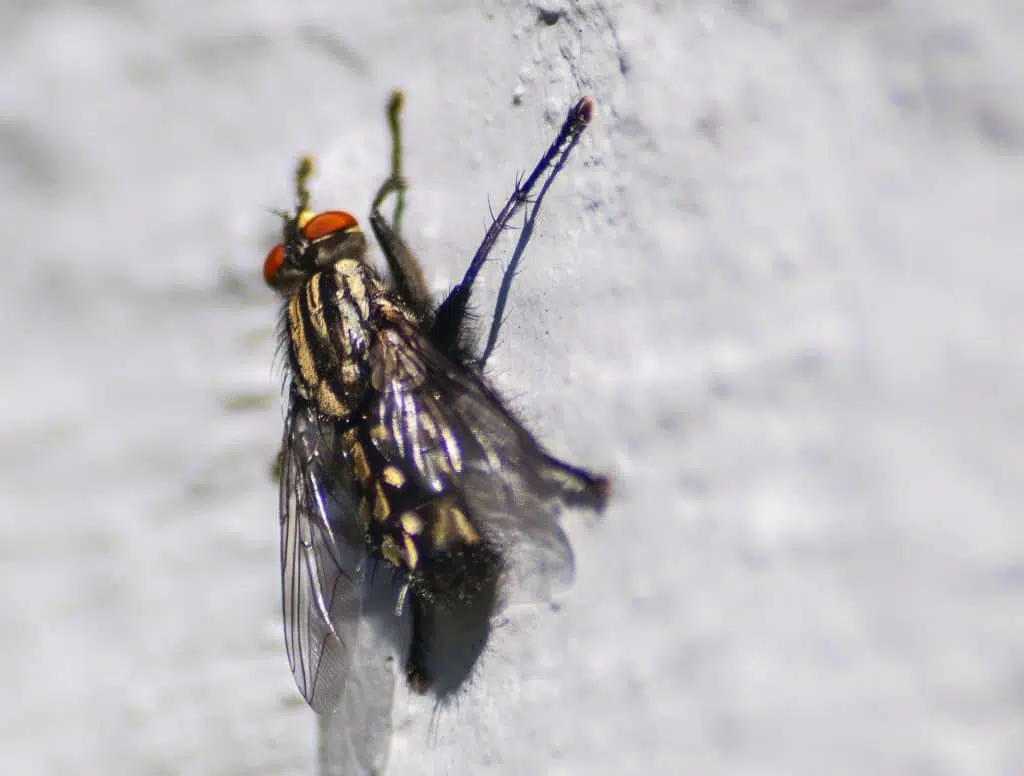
(395, 103)
(303, 172)
(451, 315)
(406, 274)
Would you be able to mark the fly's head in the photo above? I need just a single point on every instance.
(311, 242)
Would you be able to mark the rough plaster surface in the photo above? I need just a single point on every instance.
(778, 294)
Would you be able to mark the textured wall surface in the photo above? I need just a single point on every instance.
(778, 294)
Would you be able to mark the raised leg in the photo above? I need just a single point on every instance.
(447, 331)
(303, 172)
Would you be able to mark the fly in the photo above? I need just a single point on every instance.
(400, 461)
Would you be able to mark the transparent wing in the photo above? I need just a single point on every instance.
(452, 432)
(356, 739)
(321, 562)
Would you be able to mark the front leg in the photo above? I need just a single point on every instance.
(405, 270)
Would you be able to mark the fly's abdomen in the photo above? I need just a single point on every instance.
(455, 592)
(427, 534)
(451, 571)
(327, 337)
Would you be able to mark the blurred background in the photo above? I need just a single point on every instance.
(778, 294)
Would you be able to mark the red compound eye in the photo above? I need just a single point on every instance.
(272, 264)
(328, 222)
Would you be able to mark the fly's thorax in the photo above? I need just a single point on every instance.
(329, 331)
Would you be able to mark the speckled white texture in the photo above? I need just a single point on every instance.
(778, 294)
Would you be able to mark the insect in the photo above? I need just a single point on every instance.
(399, 459)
